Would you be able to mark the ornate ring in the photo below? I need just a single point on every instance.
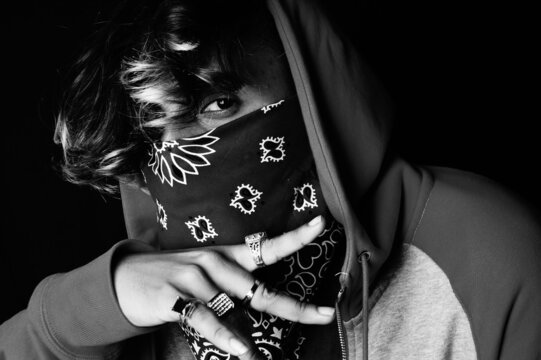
(221, 304)
(250, 295)
(185, 308)
(253, 242)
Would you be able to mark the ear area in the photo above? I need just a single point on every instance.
(139, 213)
(145, 190)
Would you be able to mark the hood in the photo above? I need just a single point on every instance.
(373, 193)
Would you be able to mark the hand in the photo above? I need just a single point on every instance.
(148, 284)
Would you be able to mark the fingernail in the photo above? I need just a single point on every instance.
(315, 220)
(238, 346)
(324, 310)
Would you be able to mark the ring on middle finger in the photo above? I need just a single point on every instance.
(253, 241)
(221, 304)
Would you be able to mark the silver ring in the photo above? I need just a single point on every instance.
(253, 242)
(221, 304)
(250, 295)
(185, 308)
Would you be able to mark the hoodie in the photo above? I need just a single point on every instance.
(439, 263)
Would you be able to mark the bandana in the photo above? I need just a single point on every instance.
(253, 174)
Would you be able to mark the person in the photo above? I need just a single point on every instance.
(224, 120)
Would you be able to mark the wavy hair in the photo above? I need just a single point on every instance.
(142, 70)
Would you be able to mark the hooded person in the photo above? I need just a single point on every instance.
(426, 263)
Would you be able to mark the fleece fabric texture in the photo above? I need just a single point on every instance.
(416, 315)
(476, 240)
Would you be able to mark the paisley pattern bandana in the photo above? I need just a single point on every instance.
(253, 174)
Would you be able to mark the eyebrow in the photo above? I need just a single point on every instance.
(218, 80)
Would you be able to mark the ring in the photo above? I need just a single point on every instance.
(253, 242)
(221, 304)
(179, 305)
(185, 308)
(250, 295)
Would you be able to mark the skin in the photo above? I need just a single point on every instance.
(271, 82)
(148, 284)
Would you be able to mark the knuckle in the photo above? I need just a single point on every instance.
(191, 274)
(215, 258)
(200, 314)
(220, 332)
(296, 233)
(268, 295)
(299, 237)
(270, 244)
(209, 258)
(251, 355)
(303, 237)
(272, 250)
(301, 307)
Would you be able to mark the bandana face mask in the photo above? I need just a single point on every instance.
(253, 174)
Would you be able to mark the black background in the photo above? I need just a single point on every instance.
(461, 75)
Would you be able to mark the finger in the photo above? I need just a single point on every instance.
(252, 354)
(277, 303)
(286, 244)
(274, 250)
(226, 274)
(236, 322)
(194, 282)
(191, 282)
(204, 321)
(237, 282)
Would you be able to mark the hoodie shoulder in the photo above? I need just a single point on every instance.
(488, 243)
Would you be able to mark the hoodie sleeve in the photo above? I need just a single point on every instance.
(488, 243)
(73, 315)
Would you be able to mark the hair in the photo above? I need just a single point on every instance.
(143, 70)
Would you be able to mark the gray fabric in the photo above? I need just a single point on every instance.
(417, 316)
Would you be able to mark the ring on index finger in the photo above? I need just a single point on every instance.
(253, 241)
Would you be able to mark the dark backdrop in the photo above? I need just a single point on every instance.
(461, 75)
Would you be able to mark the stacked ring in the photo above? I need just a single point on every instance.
(179, 305)
(221, 304)
(250, 295)
(185, 308)
(253, 241)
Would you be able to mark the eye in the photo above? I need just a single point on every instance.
(219, 105)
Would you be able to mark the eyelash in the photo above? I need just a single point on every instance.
(231, 98)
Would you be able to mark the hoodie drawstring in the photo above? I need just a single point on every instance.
(364, 257)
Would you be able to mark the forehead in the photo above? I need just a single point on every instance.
(239, 47)
(258, 66)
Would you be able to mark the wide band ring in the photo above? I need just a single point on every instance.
(253, 241)
(186, 308)
(221, 304)
(250, 295)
